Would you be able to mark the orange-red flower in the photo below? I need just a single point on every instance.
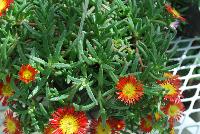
(5, 91)
(175, 13)
(48, 129)
(4, 5)
(172, 91)
(68, 121)
(27, 73)
(174, 110)
(171, 85)
(11, 124)
(129, 89)
(117, 124)
(146, 124)
(112, 126)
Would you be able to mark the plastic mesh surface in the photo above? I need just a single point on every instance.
(187, 55)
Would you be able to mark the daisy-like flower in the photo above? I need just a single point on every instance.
(171, 85)
(48, 129)
(175, 13)
(11, 124)
(129, 89)
(27, 73)
(173, 93)
(5, 91)
(4, 5)
(112, 126)
(68, 121)
(174, 110)
(146, 124)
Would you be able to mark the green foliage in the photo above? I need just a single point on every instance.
(81, 48)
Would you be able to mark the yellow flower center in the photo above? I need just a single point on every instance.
(69, 124)
(27, 74)
(172, 131)
(147, 123)
(170, 88)
(157, 116)
(10, 125)
(2, 5)
(176, 13)
(102, 130)
(118, 126)
(129, 90)
(7, 91)
(173, 110)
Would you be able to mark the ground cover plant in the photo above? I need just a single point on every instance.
(88, 66)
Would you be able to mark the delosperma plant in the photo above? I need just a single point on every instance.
(88, 66)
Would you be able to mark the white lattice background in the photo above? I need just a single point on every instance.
(187, 55)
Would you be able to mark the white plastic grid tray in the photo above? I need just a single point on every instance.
(188, 57)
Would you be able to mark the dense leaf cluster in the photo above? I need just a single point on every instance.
(81, 48)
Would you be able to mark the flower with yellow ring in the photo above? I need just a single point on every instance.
(11, 124)
(5, 91)
(174, 110)
(68, 121)
(27, 73)
(129, 90)
(172, 90)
